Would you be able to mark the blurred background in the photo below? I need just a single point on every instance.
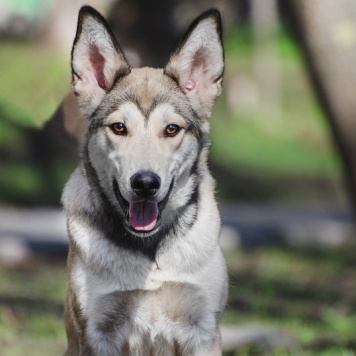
(283, 154)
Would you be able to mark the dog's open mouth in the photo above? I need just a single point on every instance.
(142, 216)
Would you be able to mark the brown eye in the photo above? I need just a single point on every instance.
(118, 128)
(171, 130)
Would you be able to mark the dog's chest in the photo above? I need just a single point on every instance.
(173, 316)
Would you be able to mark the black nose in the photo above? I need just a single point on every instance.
(145, 183)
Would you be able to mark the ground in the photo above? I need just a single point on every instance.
(309, 294)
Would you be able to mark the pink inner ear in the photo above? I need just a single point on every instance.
(196, 74)
(97, 62)
(189, 86)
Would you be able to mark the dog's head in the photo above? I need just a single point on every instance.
(146, 127)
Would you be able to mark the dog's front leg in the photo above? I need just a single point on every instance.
(74, 330)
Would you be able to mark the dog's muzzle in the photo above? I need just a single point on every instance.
(143, 213)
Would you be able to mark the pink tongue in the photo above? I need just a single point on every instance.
(143, 215)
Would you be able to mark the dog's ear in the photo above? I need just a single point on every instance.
(97, 60)
(197, 64)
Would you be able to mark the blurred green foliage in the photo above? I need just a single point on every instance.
(285, 156)
(295, 143)
(33, 81)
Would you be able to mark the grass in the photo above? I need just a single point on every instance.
(31, 310)
(307, 293)
(310, 294)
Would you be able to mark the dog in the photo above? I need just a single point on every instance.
(146, 272)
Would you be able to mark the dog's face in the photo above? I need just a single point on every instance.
(143, 144)
(146, 127)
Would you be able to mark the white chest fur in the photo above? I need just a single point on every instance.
(175, 313)
(132, 303)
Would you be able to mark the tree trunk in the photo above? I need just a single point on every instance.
(266, 57)
(327, 32)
